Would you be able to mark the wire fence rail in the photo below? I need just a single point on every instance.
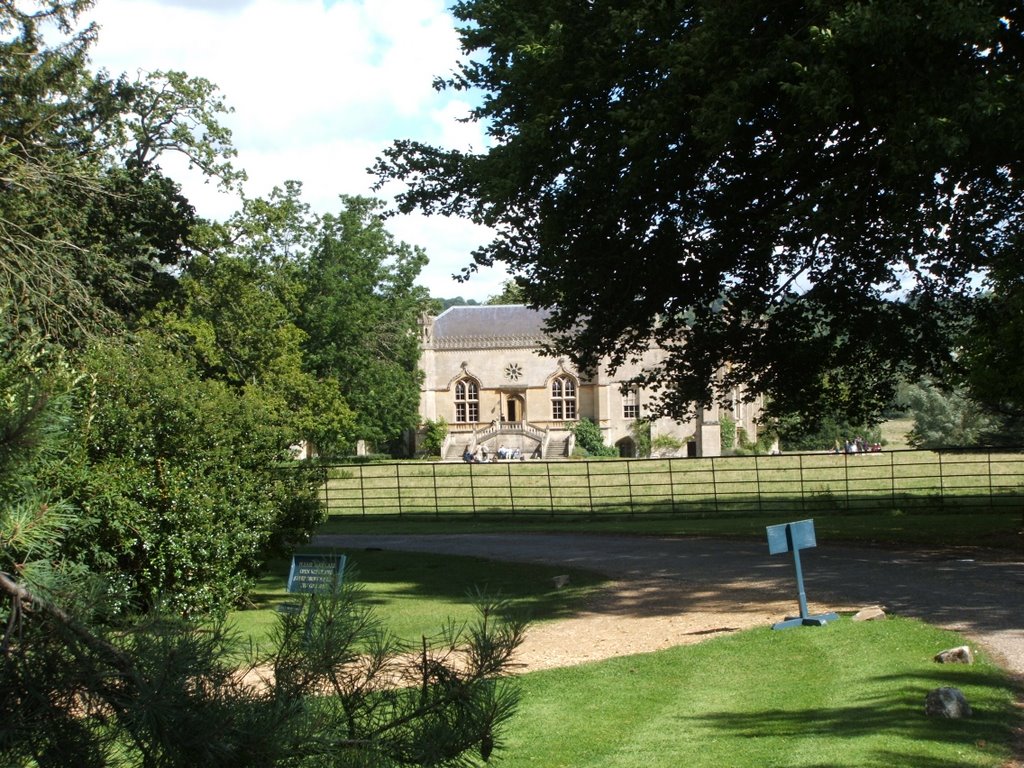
(813, 483)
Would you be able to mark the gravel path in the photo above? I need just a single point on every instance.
(670, 591)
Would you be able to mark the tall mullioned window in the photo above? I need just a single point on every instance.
(630, 405)
(467, 402)
(563, 398)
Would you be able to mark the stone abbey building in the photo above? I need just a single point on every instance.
(484, 374)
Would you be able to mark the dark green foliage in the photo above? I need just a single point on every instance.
(434, 436)
(178, 475)
(511, 293)
(458, 301)
(35, 415)
(590, 440)
(360, 316)
(641, 432)
(727, 433)
(793, 195)
(991, 351)
(160, 694)
(47, 169)
(236, 318)
(945, 419)
(144, 467)
(334, 688)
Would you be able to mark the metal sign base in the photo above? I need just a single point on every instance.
(806, 621)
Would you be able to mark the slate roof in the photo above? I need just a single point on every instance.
(504, 322)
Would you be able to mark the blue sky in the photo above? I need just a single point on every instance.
(319, 88)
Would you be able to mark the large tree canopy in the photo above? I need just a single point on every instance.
(795, 196)
(89, 223)
(361, 306)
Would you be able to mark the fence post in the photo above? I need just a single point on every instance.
(362, 489)
(511, 495)
(892, 477)
(757, 485)
(472, 489)
(590, 490)
(671, 485)
(803, 495)
(714, 483)
(398, 486)
(846, 479)
(991, 496)
(629, 485)
(327, 493)
(551, 491)
(942, 482)
(433, 474)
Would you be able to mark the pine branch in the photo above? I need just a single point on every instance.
(110, 654)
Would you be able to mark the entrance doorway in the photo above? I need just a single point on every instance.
(514, 407)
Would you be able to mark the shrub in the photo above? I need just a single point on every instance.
(434, 436)
(590, 440)
(180, 481)
(728, 434)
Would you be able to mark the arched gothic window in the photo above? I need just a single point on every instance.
(467, 401)
(563, 398)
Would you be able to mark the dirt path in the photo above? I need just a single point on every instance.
(672, 591)
(611, 624)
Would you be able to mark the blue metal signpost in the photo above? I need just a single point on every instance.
(792, 537)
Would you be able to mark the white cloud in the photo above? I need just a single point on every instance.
(318, 91)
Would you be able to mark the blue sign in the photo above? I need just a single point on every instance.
(792, 537)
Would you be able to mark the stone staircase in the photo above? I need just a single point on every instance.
(456, 447)
(512, 435)
(557, 449)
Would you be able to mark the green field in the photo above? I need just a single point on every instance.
(989, 487)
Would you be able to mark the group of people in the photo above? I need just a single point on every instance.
(482, 454)
(857, 445)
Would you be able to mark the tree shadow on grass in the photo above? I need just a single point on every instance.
(675, 575)
(899, 716)
(884, 758)
(453, 580)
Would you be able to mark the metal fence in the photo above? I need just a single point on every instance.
(814, 483)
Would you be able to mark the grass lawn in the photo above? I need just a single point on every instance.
(417, 593)
(845, 695)
(977, 529)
